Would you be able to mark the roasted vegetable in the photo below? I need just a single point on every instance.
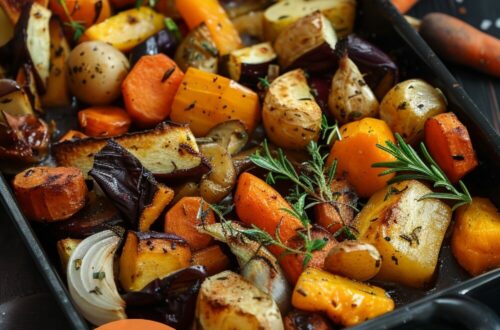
(227, 301)
(57, 91)
(344, 301)
(26, 79)
(132, 188)
(355, 260)
(198, 50)
(169, 151)
(218, 183)
(236, 8)
(350, 97)
(32, 41)
(149, 89)
(182, 220)
(213, 15)
(449, 144)
(126, 29)
(13, 9)
(250, 27)
(248, 64)
(475, 241)
(204, 100)
(406, 230)
(357, 151)
(212, 258)
(66, 247)
(23, 139)
(407, 106)
(95, 72)
(72, 135)
(340, 13)
(104, 121)
(165, 42)
(313, 40)
(231, 135)
(50, 193)
(290, 115)
(340, 213)
(91, 280)
(148, 256)
(378, 69)
(171, 300)
(299, 320)
(98, 214)
(186, 189)
(13, 99)
(84, 12)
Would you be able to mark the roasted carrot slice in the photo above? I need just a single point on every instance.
(104, 121)
(149, 89)
(72, 135)
(449, 144)
(212, 258)
(50, 193)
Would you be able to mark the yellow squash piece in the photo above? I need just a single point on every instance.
(344, 301)
(407, 232)
(127, 29)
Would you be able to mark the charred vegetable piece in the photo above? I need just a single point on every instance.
(13, 9)
(218, 183)
(213, 259)
(378, 69)
(169, 151)
(165, 42)
(83, 12)
(250, 27)
(171, 300)
(32, 41)
(227, 301)
(13, 99)
(231, 135)
(24, 139)
(344, 301)
(248, 64)
(291, 117)
(148, 256)
(65, 248)
(320, 88)
(204, 100)
(50, 194)
(340, 13)
(6, 26)
(126, 29)
(313, 40)
(476, 236)
(407, 106)
(99, 214)
(132, 188)
(104, 121)
(186, 189)
(198, 50)
(236, 8)
(407, 231)
(355, 260)
(350, 97)
(26, 79)
(300, 320)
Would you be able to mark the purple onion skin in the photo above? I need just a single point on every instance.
(162, 42)
(379, 70)
(320, 87)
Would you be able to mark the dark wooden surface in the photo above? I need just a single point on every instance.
(25, 302)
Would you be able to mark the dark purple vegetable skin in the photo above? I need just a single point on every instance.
(171, 300)
(165, 42)
(320, 88)
(380, 71)
(124, 180)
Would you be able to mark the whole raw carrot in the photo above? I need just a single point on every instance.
(404, 5)
(459, 42)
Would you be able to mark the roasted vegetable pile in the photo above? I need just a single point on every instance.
(232, 164)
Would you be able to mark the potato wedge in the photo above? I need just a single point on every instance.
(407, 232)
(227, 301)
(217, 184)
(197, 50)
(147, 256)
(355, 260)
(13, 99)
(65, 248)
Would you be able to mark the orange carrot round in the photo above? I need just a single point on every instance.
(104, 121)
(448, 142)
(181, 220)
(459, 42)
(149, 89)
(134, 324)
(404, 5)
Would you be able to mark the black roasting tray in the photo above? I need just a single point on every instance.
(455, 301)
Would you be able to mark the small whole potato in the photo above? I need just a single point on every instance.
(355, 260)
(96, 71)
(407, 106)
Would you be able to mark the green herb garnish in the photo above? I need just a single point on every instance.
(264, 82)
(329, 132)
(77, 27)
(172, 27)
(78, 264)
(98, 275)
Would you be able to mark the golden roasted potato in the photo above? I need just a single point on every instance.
(226, 301)
(147, 256)
(407, 106)
(407, 232)
(65, 248)
(356, 260)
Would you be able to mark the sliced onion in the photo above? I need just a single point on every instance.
(91, 280)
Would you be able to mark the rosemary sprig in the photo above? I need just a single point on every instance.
(328, 132)
(77, 27)
(414, 168)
